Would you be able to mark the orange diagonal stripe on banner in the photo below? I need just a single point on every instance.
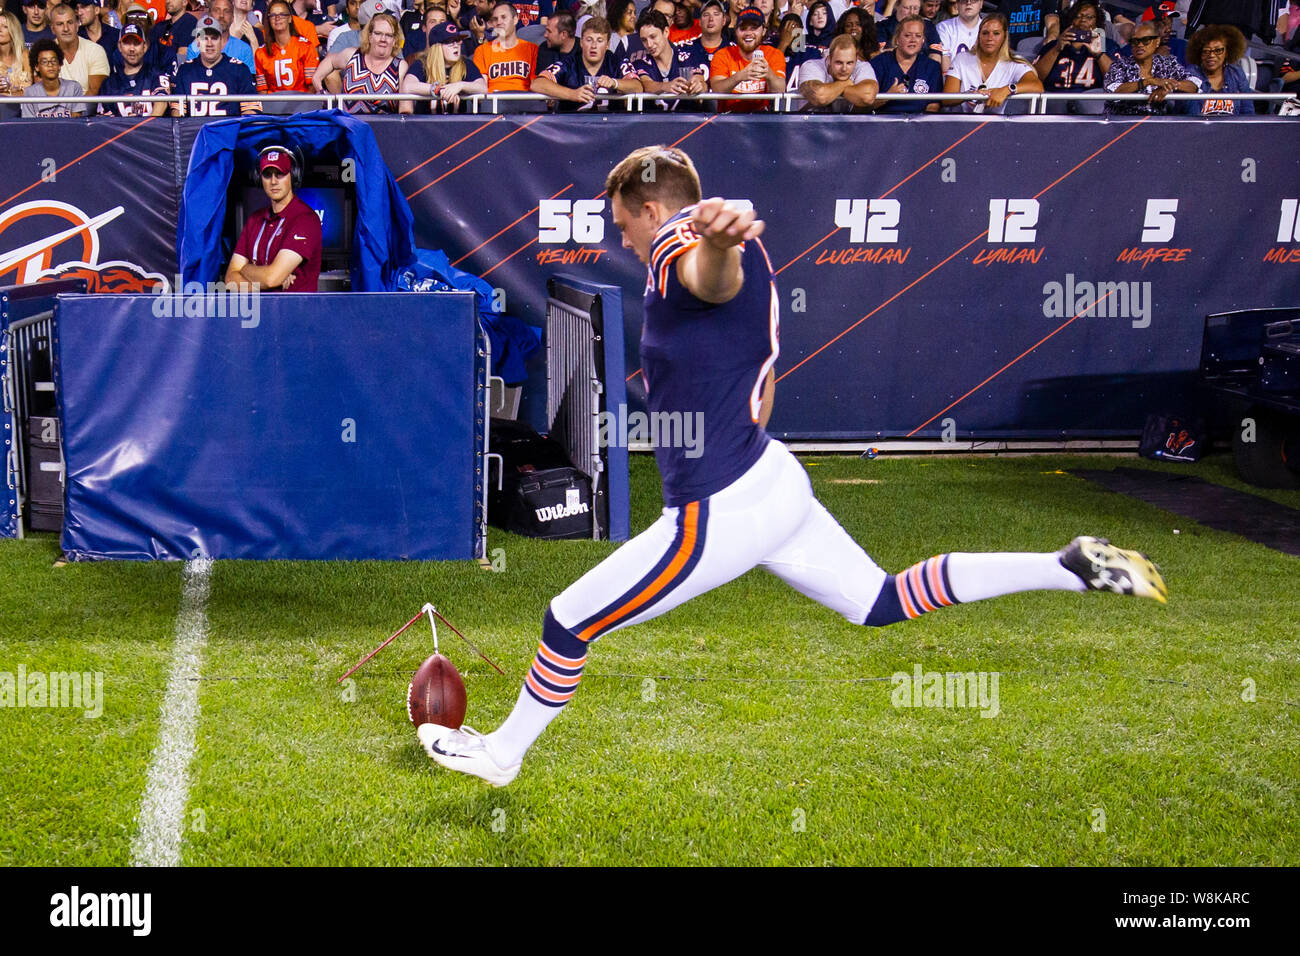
(485, 149)
(477, 129)
(1009, 364)
(71, 163)
(511, 256)
(933, 269)
(896, 185)
(511, 226)
(921, 278)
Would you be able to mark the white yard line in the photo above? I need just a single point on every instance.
(162, 811)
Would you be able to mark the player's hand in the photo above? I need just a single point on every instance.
(756, 70)
(288, 281)
(679, 86)
(696, 85)
(586, 94)
(607, 83)
(898, 87)
(998, 95)
(723, 224)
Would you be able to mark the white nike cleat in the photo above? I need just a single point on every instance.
(1103, 567)
(465, 750)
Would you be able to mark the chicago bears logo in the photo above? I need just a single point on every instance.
(1179, 441)
(67, 247)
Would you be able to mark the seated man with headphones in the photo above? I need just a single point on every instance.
(280, 246)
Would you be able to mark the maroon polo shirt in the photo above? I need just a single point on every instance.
(297, 229)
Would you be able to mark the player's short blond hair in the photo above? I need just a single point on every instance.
(654, 174)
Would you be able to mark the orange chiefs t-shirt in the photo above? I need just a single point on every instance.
(507, 71)
(729, 60)
(286, 69)
(158, 8)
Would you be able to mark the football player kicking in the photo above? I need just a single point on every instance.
(709, 345)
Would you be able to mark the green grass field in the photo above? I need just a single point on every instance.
(749, 727)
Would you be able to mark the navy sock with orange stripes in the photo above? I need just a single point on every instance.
(557, 667)
(935, 582)
(551, 682)
(922, 587)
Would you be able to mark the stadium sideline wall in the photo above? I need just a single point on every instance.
(939, 276)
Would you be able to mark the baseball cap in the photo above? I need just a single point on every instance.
(750, 13)
(446, 32)
(33, 3)
(1161, 11)
(370, 7)
(275, 158)
(713, 3)
(132, 31)
(208, 24)
(88, 3)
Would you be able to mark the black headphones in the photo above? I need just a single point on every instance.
(295, 162)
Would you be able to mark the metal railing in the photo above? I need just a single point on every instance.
(28, 345)
(573, 393)
(788, 102)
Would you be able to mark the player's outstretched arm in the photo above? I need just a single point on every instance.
(711, 269)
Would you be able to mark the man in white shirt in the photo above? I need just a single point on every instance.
(84, 62)
(841, 83)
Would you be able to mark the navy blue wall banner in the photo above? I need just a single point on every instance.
(1027, 276)
(345, 425)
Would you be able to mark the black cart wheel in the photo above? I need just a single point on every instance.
(1272, 460)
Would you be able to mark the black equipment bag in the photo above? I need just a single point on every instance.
(542, 495)
(1173, 438)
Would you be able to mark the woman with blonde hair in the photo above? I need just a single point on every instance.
(990, 69)
(442, 73)
(15, 70)
(375, 68)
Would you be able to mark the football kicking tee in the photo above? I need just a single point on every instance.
(742, 500)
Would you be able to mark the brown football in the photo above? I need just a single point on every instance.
(436, 694)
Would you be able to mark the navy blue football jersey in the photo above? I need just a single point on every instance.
(570, 71)
(145, 82)
(226, 77)
(707, 361)
(1075, 69)
(686, 56)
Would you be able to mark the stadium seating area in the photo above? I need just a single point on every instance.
(216, 58)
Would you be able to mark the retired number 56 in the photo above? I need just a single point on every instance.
(582, 220)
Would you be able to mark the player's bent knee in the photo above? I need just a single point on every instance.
(560, 639)
(888, 609)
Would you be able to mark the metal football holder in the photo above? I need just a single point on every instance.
(431, 612)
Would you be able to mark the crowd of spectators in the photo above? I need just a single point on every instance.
(583, 55)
